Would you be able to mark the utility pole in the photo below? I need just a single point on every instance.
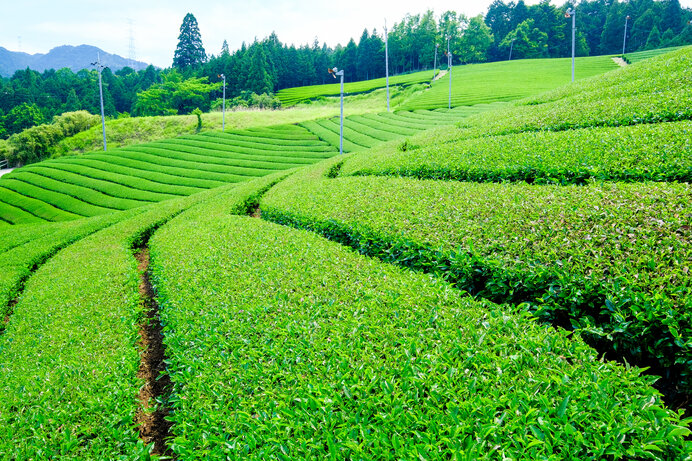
(511, 46)
(340, 73)
(386, 60)
(449, 70)
(223, 110)
(624, 37)
(437, 45)
(100, 68)
(572, 12)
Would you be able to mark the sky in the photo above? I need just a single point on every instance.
(34, 26)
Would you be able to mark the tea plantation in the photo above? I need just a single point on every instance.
(488, 282)
(291, 96)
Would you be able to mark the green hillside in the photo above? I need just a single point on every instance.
(495, 282)
(73, 187)
(291, 96)
(506, 80)
(641, 55)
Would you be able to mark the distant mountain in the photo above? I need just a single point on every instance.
(75, 58)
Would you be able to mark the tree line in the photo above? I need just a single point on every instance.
(265, 66)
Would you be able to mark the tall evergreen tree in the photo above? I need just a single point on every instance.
(224, 49)
(189, 51)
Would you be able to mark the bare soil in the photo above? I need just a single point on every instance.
(151, 415)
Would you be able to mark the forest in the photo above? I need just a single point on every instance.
(265, 66)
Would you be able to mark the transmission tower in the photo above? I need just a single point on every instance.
(132, 55)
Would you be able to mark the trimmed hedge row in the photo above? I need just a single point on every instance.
(98, 192)
(609, 260)
(658, 152)
(30, 186)
(653, 91)
(147, 180)
(70, 353)
(213, 163)
(29, 205)
(285, 346)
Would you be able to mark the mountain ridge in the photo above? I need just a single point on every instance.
(74, 58)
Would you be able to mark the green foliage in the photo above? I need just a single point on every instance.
(174, 96)
(291, 96)
(570, 253)
(476, 41)
(70, 353)
(22, 117)
(38, 142)
(306, 350)
(249, 100)
(198, 113)
(659, 152)
(641, 93)
(368, 131)
(631, 58)
(529, 41)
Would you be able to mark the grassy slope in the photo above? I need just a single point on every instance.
(291, 96)
(121, 179)
(505, 81)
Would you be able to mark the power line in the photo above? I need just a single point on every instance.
(132, 54)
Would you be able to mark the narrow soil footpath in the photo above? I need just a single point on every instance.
(151, 415)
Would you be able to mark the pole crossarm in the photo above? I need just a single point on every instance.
(99, 68)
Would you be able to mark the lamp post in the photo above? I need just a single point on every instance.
(386, 61)
(511, 46)
(624, 37)
(449, 69)
(223, 110)
(573, 14)
(340, 73)
(99, 68)
(437, 45)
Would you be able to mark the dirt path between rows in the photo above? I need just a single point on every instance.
(620, 62)
(151, 415)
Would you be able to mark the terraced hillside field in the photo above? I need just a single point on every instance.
(642, 55)
(291, 96)
(453, 296)
(121, 179)
(505, 81)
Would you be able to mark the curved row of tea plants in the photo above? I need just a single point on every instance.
(26, 247)
(505, 81)
(637, 56)
(69, 355)
(369, 130)
(611, 260)
(283, 345)
(291, 96)
(651, 91)
(97, 183)
(656, 152)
